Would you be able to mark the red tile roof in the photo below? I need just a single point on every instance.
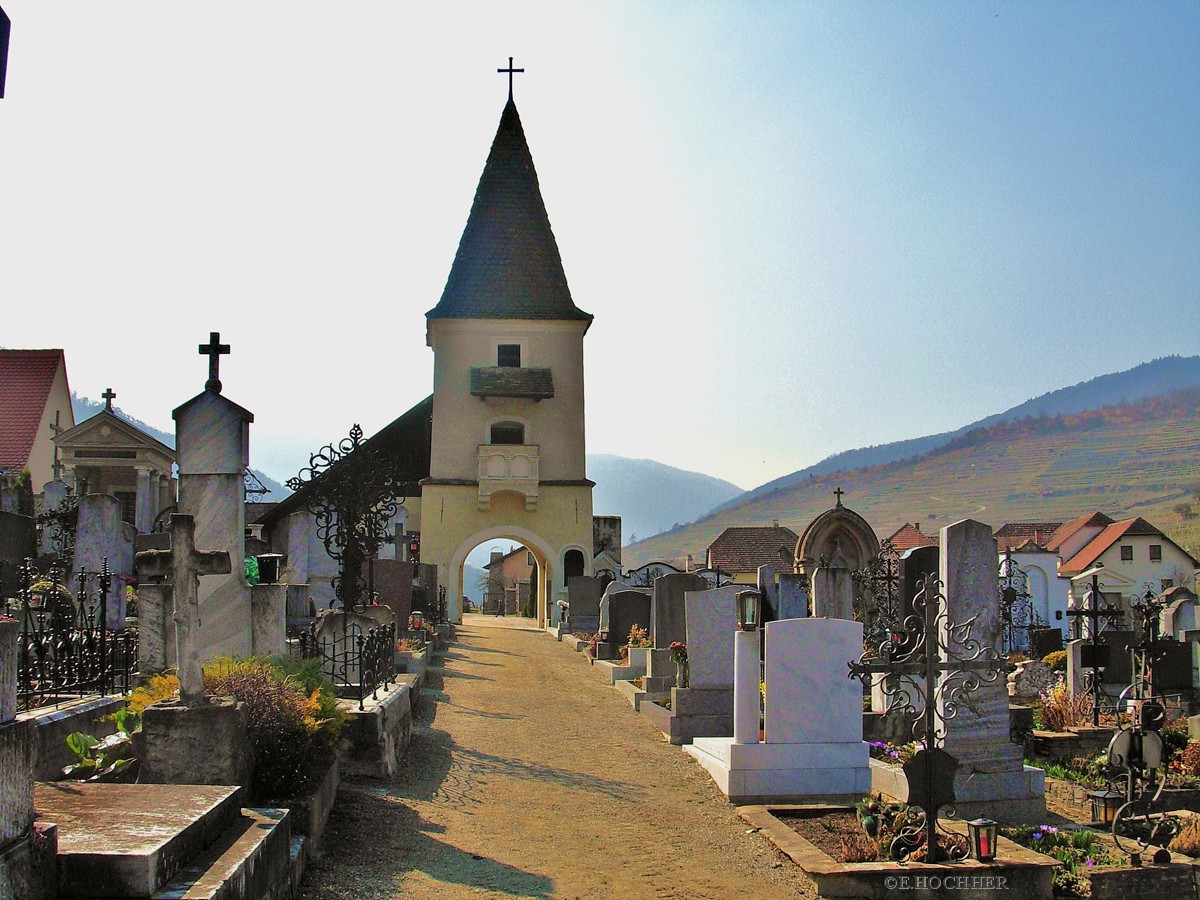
(1063, 532)
(26, 377)
(1012, 535)
(1105, 539)
(909, 536)
(741, 550)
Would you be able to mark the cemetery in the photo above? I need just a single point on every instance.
(195, 694)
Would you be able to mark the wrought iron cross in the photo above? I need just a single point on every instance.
(939, 666)
(108, 396)
(214, 350)
(1099, 614)
(510, 71)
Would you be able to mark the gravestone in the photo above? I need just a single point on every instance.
(833, 591)
(711, 623)
(626, 609)
(668, 617)
(793, 596)
(53, 495)
(393, 581)
(768, 591)
(99, 535)
(614, 587)
(916, 565)
(213, 438)
(991, 774)
(813, 747)
(583, 599)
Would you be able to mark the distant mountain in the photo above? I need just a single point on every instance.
(84, 408)
(1156, 377)
(651, 497)
(1140, 458)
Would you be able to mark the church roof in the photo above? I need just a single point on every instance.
(508, 265)
(26, 377)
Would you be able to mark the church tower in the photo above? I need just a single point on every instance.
(507, 445)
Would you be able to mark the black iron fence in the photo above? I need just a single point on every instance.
(65, 649)
(358, 664)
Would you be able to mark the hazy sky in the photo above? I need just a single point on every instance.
(802, 227)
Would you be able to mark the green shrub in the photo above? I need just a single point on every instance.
(293, 740)
(1056, 660)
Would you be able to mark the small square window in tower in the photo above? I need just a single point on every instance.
(508, 356)
(508, 433)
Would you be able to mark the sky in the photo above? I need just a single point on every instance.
(801, 227)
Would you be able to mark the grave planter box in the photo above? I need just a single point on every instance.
(1026, 875)
(1079, 740)
(1074, 797)
(310, 813)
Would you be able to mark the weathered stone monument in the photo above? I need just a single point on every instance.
(101, 535)
(793, 596)
(190, 741)
(583, 599)
(812, 747)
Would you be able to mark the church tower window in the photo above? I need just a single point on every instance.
(508, 433)
(508, 356)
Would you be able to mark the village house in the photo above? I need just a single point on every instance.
(35, 402)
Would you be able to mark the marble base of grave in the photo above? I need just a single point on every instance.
(205, 744)
(1016, 796)
(782, 773)
(166, 840)
(375, 737)
(694, 713)
(634, 667)
(631, 692)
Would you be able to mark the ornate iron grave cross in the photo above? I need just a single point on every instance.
(927, 680)
(1094, 656)
(1149, 649)
(881, 577)
(214, 350)
(57, 429)
(1016, 606)
(355, 492)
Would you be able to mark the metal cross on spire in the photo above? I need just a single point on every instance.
(108, 396)
(510, 70)
(214, 350)
(838, 493)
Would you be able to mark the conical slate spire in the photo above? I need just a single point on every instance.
(508, 265)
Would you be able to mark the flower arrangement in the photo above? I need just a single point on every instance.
(896, 754)
(679, 653)
(1078, 851)
(638, 637)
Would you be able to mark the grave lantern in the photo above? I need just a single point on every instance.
(748, 603)
(268, 567)
(1105, 804)
(982, 835)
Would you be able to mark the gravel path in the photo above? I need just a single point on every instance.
(529, 776)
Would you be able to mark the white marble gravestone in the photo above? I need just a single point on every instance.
(813, 747)
(102, 535)
(711, 622)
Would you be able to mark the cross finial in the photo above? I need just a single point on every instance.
(838, 493)
(108, 398)
(510, 70)
(214, 350)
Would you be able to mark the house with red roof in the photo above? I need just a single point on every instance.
(739, 551)
(1136, 557)
(35, 403)
(907, 536)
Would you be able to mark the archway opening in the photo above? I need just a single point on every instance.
(503, 577)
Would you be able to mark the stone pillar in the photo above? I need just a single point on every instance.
(16, 764)
(156, 628)
(833, 594)
(213, 441)
(143, 516)
(745, 687)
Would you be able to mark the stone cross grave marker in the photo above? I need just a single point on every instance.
(184, 565)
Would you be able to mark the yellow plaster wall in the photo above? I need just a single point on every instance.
(41, 456)
(461, 422)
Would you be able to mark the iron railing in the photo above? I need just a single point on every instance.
(65, 649)
(357, 664)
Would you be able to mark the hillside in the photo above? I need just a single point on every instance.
(651, 497)
(1158, 376)
(1140, 458)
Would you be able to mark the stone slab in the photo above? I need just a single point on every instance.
(767, 785)
(785, 756)
(29, 866)
(375, 737)
(250, 860)
(1017, 796)
(128, 840)
(91, 716)
(630, 692)
(667, 611)
(194, 745)
(16, 779)
(810, 698)
(694, 701)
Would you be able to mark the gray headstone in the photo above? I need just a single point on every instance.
(793, 596)
(833, 593)
(768, 590)
(667, 614)
(100, 534)
(614, 587)
(711, 623)
(583, 599)
(626, 609)
(978, 736)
